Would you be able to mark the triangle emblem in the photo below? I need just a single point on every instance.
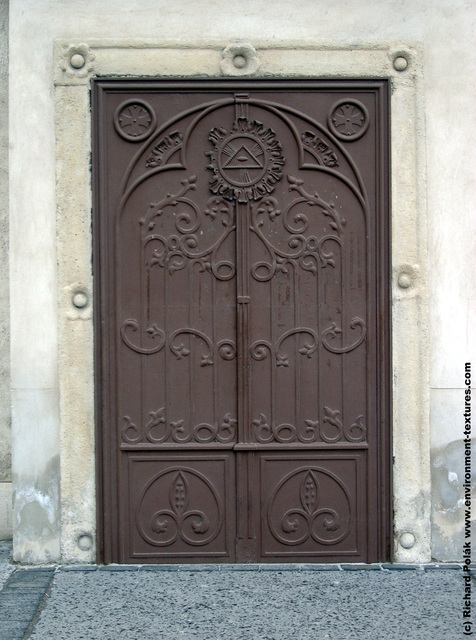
(243, 158)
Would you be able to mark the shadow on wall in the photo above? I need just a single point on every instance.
(448, 500)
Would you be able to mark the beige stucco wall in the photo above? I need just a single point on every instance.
(5, 412)
(52, 386)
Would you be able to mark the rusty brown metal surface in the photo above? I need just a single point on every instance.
(242, 320)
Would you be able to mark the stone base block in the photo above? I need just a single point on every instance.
(6, 516)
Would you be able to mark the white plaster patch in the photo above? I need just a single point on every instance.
(30, 495)
(453, 478)
(448, 500)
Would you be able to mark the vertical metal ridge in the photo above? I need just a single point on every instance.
(242, 308)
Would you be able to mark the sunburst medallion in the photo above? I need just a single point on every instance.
(247, 161)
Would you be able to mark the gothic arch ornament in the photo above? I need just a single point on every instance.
(170, 138)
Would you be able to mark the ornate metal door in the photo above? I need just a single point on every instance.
(241, 269)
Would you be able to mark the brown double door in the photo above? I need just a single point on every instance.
(241, 271)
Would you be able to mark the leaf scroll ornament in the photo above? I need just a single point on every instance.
(191, 510)
(324, 524)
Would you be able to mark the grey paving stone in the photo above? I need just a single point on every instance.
(118, 567)
(361, 567)
(37, 568)
(14, 631)
(252, 605)
(17, 613)
(198, 567)
(442, 566)
(9, 599)
(20, 598)
(32, 579)
(32, 584)
(237, 567)
(78, 567)
(5, 558)
(321, 567)
(402, 567)
(158, 567)
(279, 567)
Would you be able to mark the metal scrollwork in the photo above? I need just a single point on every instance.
(179, 350)
(307, 251)
(153, 332)
(226, 348)
(307, 349)
(337, 222)
(158, 430)
(261, 348)
(205, 433)
(331, 430)
(283, 433)
(334, 331)
(355, 433)
(175, 251)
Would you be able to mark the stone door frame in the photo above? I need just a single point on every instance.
(75, 64)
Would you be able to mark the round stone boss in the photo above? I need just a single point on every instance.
(77, 61)
(400, 63)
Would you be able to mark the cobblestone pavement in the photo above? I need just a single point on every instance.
(5, 566)
(234, 602)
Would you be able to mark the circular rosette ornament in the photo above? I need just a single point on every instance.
(134, 120)
(348, 119)
(247, 161)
